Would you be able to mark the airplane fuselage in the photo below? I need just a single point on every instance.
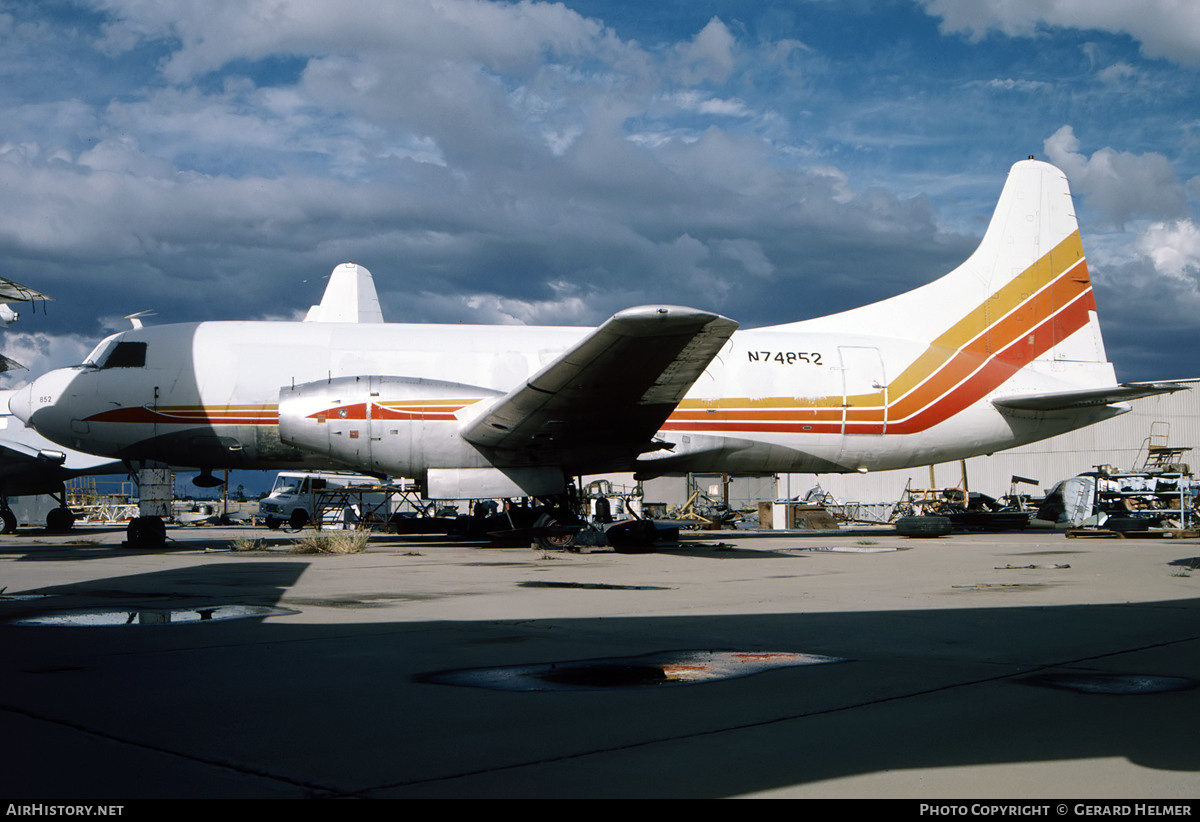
(1004, 350)
(774, 399)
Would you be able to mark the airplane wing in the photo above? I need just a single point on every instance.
(15, 292)
(7, 364)
(604, 399)
(1063, 400)
(12, 451)
(31, 464)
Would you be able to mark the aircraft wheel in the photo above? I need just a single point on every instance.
(60, 520)
(146, 533)
(9, 520)
(562, 542)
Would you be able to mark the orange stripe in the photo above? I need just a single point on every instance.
(998, 370)
(1027, 317)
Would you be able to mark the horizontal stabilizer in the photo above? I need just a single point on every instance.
(1087, 397)
(610, 393)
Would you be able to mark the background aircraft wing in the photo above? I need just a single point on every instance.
(30, 464)
(604, 399)
(15, 292)
(1088, 396)
(16, 454)
(8, 364)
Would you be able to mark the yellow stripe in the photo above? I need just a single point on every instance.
(944, 346)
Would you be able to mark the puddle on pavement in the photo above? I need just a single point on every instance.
(1120, 684)
(103, 617)
(663, 669)
(852, 549)
(598, 586)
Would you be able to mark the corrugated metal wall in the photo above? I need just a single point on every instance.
(1120, 442)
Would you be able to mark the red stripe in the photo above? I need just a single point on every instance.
(998, 369)
(142, 414)
(358, 411)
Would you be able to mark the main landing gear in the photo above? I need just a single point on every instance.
(560, 523)
(58, 520)
(155, 490)
(61, 519)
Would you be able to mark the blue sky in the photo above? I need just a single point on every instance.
(554, 163)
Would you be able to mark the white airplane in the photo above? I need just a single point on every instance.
(14, 292)
(30, 464)
(1002, 351)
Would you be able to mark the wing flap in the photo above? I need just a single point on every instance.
(604, 399)
(1088, 397)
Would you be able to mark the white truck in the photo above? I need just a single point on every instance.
(299, 497)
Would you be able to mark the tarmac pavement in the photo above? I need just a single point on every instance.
(363, 680)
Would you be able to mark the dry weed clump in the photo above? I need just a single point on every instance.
(248, 544)
(332, 542)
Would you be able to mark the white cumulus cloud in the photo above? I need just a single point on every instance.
(1174, 248)
(1120, 184)
(1165, 28)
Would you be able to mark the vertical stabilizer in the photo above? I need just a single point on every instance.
(349, 298)
(1023, 297)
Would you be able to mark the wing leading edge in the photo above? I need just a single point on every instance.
(601, 402)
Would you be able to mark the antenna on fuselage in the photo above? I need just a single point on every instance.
(136, 319)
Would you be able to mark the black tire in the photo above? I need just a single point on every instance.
(298, 519)
(147, 533)
(274, 522)
(562, 542)
(923, 526)
(60, 520)
(558, 542)
(10, 521)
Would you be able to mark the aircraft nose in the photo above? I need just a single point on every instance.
(20, 404)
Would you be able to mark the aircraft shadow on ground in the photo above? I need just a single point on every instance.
(342, 708)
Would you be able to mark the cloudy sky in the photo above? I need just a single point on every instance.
(553, 163)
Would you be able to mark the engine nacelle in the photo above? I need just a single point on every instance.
(389, 425)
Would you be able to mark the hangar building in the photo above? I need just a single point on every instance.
(1122, 442)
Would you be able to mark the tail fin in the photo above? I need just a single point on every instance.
(1023, 298)
(1030, 268)
(349, 298)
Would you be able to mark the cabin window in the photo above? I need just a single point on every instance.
(127, 355)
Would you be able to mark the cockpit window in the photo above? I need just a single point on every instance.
(127, 355)
(99, 353)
